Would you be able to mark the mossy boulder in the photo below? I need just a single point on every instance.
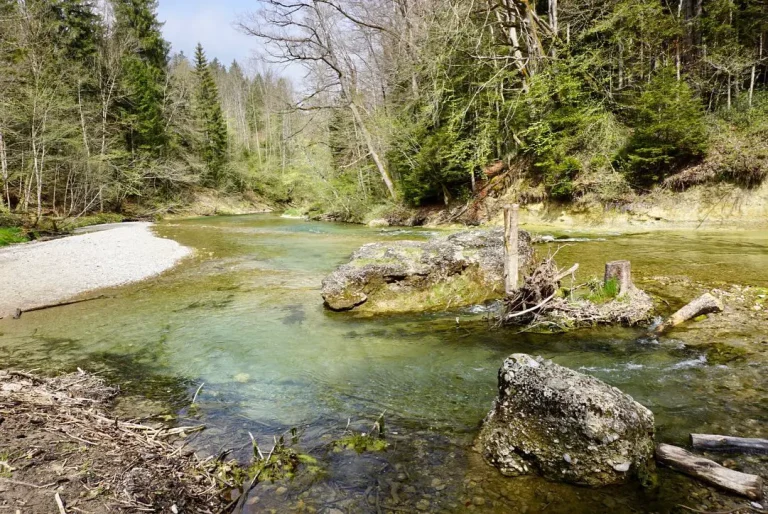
(565, 425)
(401, 276)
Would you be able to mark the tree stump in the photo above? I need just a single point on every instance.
(511, 249)
(621, 271)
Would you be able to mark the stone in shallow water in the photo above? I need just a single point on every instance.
(565, 425)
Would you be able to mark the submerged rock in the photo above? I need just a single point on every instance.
(454, 270)
(565, 425)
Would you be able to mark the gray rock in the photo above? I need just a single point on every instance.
(395, 269)
(565, 425)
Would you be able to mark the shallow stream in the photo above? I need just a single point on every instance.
(245, 317)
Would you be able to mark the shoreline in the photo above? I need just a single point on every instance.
(42, 273)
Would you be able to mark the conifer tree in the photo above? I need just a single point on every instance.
(145, 75)
(211, 119)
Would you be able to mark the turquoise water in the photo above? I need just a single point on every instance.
(245, 317)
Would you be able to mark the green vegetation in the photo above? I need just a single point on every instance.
(721, 353)
(580, 101)
(10, 235)
(602, 292)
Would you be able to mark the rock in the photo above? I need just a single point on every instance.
(378, 223)
(423, 505)
(385, 275)
(565, 425)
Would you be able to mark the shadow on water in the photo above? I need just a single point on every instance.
(245, 317)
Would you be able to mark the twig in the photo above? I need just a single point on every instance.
(194, 398)
(535, 307)
(60, 503)
(716, 512)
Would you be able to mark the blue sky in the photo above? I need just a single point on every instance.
(210, 23)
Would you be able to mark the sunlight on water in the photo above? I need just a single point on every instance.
(245, 316)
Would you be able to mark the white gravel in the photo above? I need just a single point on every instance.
(42, 273)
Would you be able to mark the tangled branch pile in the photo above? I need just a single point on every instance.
(541, 303)
(58, 445)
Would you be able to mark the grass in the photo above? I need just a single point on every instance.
(600, 292)
(11, 235)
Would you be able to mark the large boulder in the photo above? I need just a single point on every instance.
(565, 425)
(454, 270)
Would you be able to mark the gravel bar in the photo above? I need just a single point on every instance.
(42, 273)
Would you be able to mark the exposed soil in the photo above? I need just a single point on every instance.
(58, 443)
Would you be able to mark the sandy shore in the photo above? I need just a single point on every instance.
(42, 273)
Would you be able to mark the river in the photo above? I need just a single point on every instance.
(245, 317)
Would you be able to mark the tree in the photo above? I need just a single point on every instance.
(211, 119)
(144, 77)
(669, 129)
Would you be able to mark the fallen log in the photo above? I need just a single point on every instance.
(704, 304)
(722, 443)
(711, 472)
(19, 312)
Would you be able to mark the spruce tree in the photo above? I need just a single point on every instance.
(145, 75)
(210, 118)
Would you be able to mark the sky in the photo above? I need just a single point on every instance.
(210, 23)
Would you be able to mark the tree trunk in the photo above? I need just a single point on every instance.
(711, 472)
(722, 443)
(374, 155)
(752, 85)
(704, 304)
(621, 271)
(4, 169)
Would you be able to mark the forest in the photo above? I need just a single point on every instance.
(402, 103)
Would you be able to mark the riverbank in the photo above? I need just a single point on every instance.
(41, 273)
(60, 449)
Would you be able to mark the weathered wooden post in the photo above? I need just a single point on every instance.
(621, 271)
(511, 250)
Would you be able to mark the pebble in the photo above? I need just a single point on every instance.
(281, 490)
(423, 505)
(478, 500)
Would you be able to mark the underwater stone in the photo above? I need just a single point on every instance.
(565, 425)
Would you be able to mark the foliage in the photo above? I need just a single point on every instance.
(211, 119)
(11, 235)
(669, 130)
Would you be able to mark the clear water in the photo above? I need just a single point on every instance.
(245, 317)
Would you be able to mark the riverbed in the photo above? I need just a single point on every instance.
(244, 317)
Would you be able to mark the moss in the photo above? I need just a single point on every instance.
(11, 235)
(469, 288)
(95, 219)
(720, 353)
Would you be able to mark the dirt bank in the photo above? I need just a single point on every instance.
(47, 272)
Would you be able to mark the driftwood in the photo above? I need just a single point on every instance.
(711, 472)
(704, 304)
(621, 271)
(19, 312)
(722, 443)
